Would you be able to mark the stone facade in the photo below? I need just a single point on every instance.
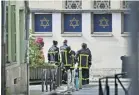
(106, 48)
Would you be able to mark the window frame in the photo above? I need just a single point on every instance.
(69, 34)
(47, 34)
(101, 34)
(123, 33)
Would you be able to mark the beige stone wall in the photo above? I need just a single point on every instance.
(16, 73)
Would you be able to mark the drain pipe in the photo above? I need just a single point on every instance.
(3, 79)
(27, 14)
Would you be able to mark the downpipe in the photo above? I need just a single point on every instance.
(27, 13)
(3, 79)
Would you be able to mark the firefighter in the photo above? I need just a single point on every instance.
(65, 60)
(63, 51)
(70, 61)
(53, 53)
(83, 57)
(72, 68)
(72, 58)
(53, 58)
(65, 42)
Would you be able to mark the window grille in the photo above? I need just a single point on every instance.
(73, 4)
(101, 4)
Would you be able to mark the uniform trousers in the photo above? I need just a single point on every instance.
(85, 76)
(65, 73)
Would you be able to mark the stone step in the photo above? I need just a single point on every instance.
(110, 80)
(110, 84)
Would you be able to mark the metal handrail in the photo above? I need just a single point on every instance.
(116, 77)
(116, 85)
(53, 78)
(106, 85)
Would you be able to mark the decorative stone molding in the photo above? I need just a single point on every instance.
(96, 11)
(101, 4)
(73, 4)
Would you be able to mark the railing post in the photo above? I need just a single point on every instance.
(57, 75)
(42, 78)
(100, 88)
(73, 79)
(76, 79)
(60, 75)
(54, 79)
(126, 92)
(46, 79)
(116, 86)
(107, 87)
(50, 79)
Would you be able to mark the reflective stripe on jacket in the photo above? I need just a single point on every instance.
(65, 56)
(83, 58)
(53, 54)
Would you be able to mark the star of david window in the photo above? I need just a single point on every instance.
(72, 23)
(43, 22)
(103, 4)
(73, 4)
(126, 4)
(102, 22)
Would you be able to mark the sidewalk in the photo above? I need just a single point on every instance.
(36, 90)
(93, 86)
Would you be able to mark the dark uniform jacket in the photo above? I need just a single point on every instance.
(90, 59)
(65, 55)
(72, 57)
(83, 57)
(53, 54)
